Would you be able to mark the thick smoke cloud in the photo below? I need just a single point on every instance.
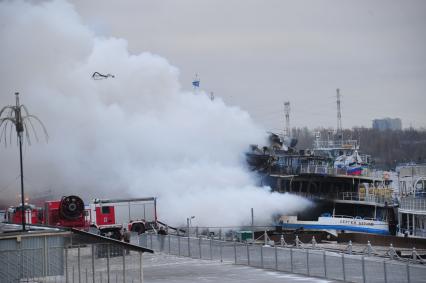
(138, 134)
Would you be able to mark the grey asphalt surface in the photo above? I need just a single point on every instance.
(167, 268)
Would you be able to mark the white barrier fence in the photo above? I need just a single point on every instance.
(300, 260)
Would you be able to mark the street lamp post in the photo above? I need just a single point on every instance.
(13, 114)
(19, 130)
(188, 222)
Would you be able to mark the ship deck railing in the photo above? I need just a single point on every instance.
(346, 144)
(413, 232)
(363, 197)
(356, 217)
(413, 204)
(331, 171)
(352, 197)
(346, 216)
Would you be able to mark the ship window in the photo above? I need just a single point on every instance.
(105, 210)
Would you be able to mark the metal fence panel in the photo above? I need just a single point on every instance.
(353, 268)
(269, 257)
(284, 261)
(206, 246)
(56, 261)
(217, 250)
(132, 266)
(184, 246)
(316, 265)
(156, 241)
(254, 254)
(417, 274)
(333, 263)
(162, 242)
(143, 240)
(194, 247)
(47, 260)
(241, 254)
(228, 252)
(11, 269)
(32, 262)
(8, 244)
(33, 256)
(311, 262)
(174, 245)
(116, 265)
(299, 258)
(374, 270)
(396, 272)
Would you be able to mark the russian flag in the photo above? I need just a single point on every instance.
(354, 171)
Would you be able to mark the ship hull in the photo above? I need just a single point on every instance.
(336, 225)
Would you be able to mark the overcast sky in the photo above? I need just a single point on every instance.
(258, 54)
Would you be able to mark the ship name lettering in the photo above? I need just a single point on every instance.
(354, 222)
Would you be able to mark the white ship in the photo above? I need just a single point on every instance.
(337, 224)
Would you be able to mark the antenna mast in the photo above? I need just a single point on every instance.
(287, 119)
(339, 114)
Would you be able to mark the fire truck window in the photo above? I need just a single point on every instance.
(105, 210)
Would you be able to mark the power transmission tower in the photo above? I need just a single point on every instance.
(339, 116)
(287, 119)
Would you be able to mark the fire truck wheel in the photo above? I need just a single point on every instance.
(138, 227)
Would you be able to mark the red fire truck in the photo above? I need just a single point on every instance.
(32, 214)
(107, 215)
(139, 214)
(67, 212)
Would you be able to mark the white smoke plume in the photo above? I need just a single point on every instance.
(138, 134)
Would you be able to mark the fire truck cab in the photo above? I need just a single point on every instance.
(105, 222)
(105, 215)
(137, 214)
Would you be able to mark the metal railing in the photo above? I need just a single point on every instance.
(416, 232)
(51, 259)
(101, 263)
(329, 170)
(351, 196)
(350, 144)
(298, 259)
(413, 204)
(31, 257)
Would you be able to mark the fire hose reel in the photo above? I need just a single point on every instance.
(71, 207)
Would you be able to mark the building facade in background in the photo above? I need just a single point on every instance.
(387, 124)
